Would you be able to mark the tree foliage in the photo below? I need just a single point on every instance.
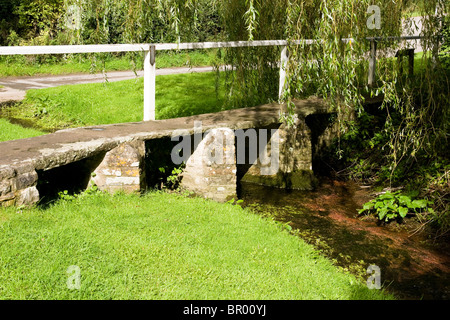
(29, 18)
(417, 109)
(111, 21)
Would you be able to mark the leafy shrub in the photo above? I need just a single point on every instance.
(174, 179)
(394, 206)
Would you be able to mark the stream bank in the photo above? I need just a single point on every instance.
(412, 266)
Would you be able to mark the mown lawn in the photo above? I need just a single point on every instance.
(160, 246)
(9, 131)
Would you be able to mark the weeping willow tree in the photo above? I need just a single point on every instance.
(139, 21)
(334, 66)
(420, 126)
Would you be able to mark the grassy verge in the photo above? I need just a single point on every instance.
(9, 131)
(119, 102)
(161, 246)
(55, 65)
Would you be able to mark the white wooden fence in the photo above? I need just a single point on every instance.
(149, 61)
(150, 57)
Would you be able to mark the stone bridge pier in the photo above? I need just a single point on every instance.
(216, 161)
(276, 155)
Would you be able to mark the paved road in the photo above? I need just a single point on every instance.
(14, 88)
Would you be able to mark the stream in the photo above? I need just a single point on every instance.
(412, 266)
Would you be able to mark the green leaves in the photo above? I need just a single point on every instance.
(402, 211)
(251, 21)
(419, 204)
(392, 206)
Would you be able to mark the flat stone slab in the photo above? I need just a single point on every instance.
(71, 145)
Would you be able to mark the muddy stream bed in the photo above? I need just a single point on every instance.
(412, 266)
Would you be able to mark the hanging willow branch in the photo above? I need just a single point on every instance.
(337, 70)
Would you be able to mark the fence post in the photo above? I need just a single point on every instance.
(372, 62)
(284, 61)
(150, 84)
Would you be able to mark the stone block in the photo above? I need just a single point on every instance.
(7, 173)
(26, 180)
(24, 168)
(27, 197)
(211, 169)
(5, 187)
(20, 188)
(294, 170)
(7, 196)
(122, 169)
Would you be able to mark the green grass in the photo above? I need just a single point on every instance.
(119, 102)
(415, 9)
(420, 64)
(9, 131)
(55, 65)
(161, 246)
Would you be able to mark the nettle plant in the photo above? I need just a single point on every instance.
(395, 206)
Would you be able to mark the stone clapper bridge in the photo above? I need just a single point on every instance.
(128, 157)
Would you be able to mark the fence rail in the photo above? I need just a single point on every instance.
(150, 57)
(104, 48)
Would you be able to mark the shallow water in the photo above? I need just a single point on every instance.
(411, 266)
